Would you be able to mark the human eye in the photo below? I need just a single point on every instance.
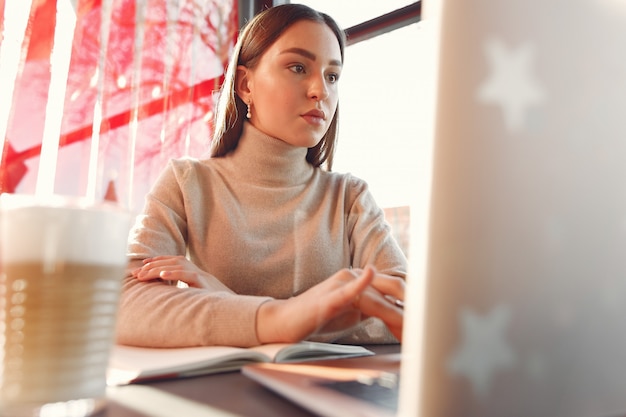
(332, 77)
(297, 68)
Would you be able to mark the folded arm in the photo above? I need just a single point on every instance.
(157, 314)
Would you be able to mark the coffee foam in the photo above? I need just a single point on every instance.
(63, 230)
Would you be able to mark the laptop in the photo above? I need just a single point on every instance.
(523, 295)
(366, 387)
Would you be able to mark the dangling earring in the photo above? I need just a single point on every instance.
(248, 115)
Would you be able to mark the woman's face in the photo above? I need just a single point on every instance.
(293, 90)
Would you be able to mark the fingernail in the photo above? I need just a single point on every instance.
(395, 301)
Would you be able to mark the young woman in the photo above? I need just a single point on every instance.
(274, 246)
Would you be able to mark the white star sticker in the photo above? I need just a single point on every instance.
(510, 84)
(483, 349)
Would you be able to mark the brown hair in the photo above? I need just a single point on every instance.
(255, 38)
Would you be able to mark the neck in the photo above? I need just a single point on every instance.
(265, 159)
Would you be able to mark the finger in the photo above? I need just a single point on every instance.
(397, 332)
(375, 304)
(389, 285)
(153, 266)
(348, 293)
(148, 260)
(145, 277)
(155, 270)
(161, 258)
(179, 274)
(165, 274)
(332, 299)
(159, 262)
(336, 294)
(148, 275)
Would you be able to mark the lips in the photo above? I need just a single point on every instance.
(314, 116)
(316, 113)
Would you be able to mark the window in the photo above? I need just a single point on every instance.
(102, 100)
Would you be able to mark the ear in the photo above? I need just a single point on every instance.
(242, 83)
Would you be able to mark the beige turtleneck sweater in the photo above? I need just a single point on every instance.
(267, 224)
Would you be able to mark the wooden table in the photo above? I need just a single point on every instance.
(220, 395)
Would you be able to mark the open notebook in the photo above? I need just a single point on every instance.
(130, 364)
(524, 300)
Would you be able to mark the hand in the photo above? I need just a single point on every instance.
(345, 292)
(178, 268)
(384, 299)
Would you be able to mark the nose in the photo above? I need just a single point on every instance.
(318, 88)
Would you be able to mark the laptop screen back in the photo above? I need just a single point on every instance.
(524, 280)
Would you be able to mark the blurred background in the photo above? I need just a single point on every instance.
(97, 95)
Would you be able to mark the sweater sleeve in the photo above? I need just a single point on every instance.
(370, 236)
(371, 243)
(158, 314)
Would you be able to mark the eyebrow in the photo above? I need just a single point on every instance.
(310, 55)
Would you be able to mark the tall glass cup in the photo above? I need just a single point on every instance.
(62, 261)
